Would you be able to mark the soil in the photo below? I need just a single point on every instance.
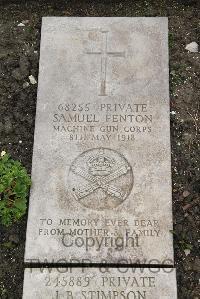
(19, 55)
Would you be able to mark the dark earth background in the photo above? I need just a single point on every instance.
(19, 55)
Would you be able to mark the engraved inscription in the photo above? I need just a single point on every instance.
(100, 178)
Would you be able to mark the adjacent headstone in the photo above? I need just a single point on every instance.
(101, 173)
(90, 283)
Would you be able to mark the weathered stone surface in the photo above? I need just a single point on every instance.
(101, 164)
(90, 283)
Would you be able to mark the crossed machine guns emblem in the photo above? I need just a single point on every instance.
(100, 167)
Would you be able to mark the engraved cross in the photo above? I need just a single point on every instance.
(104, 53)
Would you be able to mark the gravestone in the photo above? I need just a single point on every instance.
(101, 175)
(93, 283)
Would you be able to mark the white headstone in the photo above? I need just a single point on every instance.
(101, 176)
(91, 283)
